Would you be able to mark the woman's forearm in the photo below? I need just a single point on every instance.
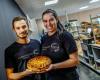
(71, 62)
(66, 64)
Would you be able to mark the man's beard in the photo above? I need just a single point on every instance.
(23, 37)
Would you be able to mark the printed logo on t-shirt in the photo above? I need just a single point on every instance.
(55, 47)
(45, 48)
(35, 52)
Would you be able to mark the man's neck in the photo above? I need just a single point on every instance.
(23, 41)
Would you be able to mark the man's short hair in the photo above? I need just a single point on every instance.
(18, 18)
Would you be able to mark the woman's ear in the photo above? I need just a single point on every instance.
(57, 19)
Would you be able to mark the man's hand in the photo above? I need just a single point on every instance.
(27, 71)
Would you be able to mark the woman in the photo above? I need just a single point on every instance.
(60, 46)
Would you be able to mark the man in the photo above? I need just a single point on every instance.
(18, 53)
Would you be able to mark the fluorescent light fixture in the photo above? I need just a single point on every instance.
(93, 1)
(51, 2)
(84, 7)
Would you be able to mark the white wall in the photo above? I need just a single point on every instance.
(40, 26)
(80, 16)
(33, 29)
(84, 15)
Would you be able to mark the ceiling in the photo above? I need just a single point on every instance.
(34, 8)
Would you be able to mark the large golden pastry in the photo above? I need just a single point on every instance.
(39, 63)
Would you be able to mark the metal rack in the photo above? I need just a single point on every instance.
(91, 50)
(72, 27)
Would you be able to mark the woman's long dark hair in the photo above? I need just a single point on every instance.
(60, 27)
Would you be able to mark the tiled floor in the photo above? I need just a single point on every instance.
(87, 74)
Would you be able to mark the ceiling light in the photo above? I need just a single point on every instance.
(93, 1)
(51, 2)
(84, 7)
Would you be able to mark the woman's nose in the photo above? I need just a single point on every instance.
(48, 23)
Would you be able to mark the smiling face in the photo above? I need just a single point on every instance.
(50, 22)
(21, 28)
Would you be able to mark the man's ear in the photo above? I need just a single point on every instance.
(13, 29)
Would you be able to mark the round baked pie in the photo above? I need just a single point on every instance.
(39, 63)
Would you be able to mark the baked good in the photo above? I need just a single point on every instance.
(39, 63)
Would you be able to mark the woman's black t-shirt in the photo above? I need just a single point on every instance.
(58, 47)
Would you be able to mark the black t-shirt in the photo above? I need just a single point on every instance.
(58, 47)
(17, 55)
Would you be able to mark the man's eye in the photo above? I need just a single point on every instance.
(24, 26)
(17, 28)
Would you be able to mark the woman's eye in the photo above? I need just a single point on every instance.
(51, 19)
(44, 20)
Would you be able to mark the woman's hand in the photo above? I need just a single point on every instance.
(37, 71)
(50, 67)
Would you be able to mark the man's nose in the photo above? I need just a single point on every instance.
(22, 29)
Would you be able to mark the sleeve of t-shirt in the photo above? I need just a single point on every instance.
(37, 46)
(69, 43)
(8, 59)
(42, 41)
